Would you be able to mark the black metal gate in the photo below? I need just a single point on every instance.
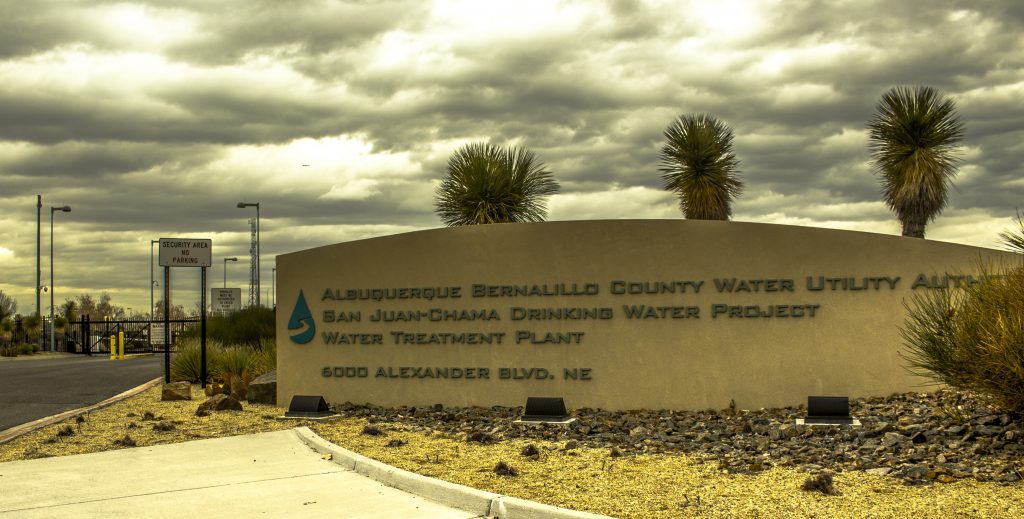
(140, 335)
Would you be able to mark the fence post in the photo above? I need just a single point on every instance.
(87, 339)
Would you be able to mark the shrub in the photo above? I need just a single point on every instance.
(822, 483)
(504, 469)
(237, 360)
(266, 357)
(9, 351)
(27, 349)
(248, 327)
(372, 430)
(185, 364)
(972, 338)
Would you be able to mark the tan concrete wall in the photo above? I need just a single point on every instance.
(850, 346)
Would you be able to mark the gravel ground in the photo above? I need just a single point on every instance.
(641, 464)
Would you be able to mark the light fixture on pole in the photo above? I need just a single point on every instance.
(226, 260)
(254, 269)
(63, 209)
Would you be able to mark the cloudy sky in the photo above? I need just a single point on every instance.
(155, 118)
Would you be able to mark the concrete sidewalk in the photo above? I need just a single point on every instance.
(271, 474)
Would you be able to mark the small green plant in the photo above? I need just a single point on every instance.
(237, 360)
(246, 327)
(9, 351)
(972, 337)
(266, 357)
(372, 430)
(27, 349)
(163, 426)
(127, 441)
(186, 363)
(504, 469)
(483, 437)
(822, 483)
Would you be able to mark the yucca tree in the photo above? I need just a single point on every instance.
(489, 184)
(1013, 239)
(913, 135)
(698, 164)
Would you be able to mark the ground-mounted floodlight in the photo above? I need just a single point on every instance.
(544, 409)
(309, 406)
(828, 410)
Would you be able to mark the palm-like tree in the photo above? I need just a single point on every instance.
(1013, 239)
(488, 184)
(913, 136)
(697, 163)
(8, 306)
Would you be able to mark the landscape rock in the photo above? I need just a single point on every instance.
(219, 402)
(176, 391)
(263, 389)
(213, 388)
(911, 436)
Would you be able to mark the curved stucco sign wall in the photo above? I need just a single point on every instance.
(611, 314)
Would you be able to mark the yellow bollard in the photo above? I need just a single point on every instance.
(120, 344)
(113, 348)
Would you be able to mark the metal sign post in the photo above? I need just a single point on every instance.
(185, 252)
(167, 325)
(202, 326)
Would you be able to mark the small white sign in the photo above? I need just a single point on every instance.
(156, 333)
(185, 252)
(225, 300)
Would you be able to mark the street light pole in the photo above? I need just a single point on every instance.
(243, 205)
(226, 260)
(152, 282)
(39, 267)
(64, 209)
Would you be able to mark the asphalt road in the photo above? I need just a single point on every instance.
(34, 389)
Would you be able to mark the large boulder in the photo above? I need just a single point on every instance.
(263, 390)
(177, 391)
(220, 402)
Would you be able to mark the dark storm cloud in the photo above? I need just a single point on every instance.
(233, 29)
(163, 132)
(97, 160)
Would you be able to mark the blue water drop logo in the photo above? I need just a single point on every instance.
(302, 318)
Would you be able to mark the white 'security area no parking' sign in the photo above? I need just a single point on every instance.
(185, 252)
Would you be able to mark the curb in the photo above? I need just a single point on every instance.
(19, 430)
(479, 502)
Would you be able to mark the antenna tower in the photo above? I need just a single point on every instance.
(254, 266)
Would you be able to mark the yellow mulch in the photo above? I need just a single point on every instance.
(662, 485)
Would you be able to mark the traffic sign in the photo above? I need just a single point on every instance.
(225, 300)
(185, 252)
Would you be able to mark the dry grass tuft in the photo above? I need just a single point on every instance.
(504, 469)
(821, 483)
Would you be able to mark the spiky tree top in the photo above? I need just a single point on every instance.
(488, 184)
(913, 135)
(698, 164)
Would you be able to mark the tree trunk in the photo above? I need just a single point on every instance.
(913, 229)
